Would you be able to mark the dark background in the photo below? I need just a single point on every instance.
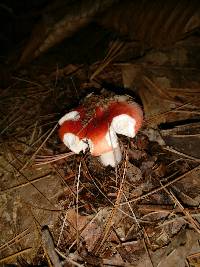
(16, 21)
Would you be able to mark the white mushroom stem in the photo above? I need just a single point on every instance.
(112, 157)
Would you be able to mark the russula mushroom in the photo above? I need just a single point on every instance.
(109, 117)
(72, 131)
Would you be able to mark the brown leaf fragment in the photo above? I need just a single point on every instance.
(177, 251)
(126, 256)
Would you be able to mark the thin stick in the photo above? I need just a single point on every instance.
(161, 187)
(68, 259)
(98, 248)
(154, 117)
(185, 135)
(8, 258)
(146, 248)
(15, 239)
(74, 85)
(10, 124)
(131, 209)
(25, 183)
(181, 154)
(178, 218)
(27, 81)
(42, 208)
(51, 159)
(193, 222)
(112, 53)
(77, 191)
(62, 228)
(29, 181)
(31, 158)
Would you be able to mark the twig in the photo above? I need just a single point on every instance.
(131, 209)
(16, 239)
(112, 53)
(8, 258)
(62, 228)
(10, 124)
(25, 183)
(164, 208)
(42, 160)
(35, 153)
(97, 249)
(41, 208)
(146, 248)
(178, 218)
(68, 259)
(193, 222)
(27, 81)
(29, 181)
(181, 154)
(161, 187)
(77, 199)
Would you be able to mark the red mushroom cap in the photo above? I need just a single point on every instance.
(72, 130)
(98, 133)
(102, 139)
(125, 117)
(73, 127)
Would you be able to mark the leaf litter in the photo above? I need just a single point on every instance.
(146, 211)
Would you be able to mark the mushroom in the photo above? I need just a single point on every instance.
(72, 130)
(99, 129)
